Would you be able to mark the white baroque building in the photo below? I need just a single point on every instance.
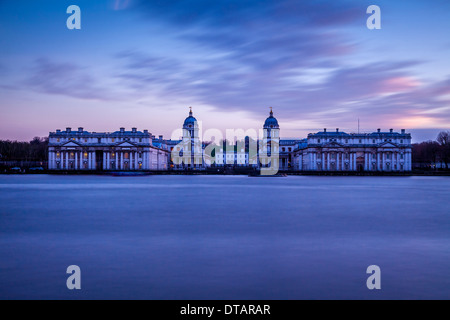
(325, 151)
(340, 151)
(120, 150)
(322, 151)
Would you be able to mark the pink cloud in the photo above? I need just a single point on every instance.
(399, 84)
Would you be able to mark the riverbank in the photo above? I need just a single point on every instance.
(228, 172)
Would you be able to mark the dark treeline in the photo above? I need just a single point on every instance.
(432, 154)
(35, 150)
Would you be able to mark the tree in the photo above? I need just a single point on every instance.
(444, 147)
(425, 154)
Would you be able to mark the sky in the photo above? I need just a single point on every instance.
(142, 64)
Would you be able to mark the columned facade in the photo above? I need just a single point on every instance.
(89, 151)
(340, 151)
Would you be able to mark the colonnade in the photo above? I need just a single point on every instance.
(348, 161)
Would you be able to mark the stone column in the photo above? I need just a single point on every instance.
(75, 165)
(365, 161)
(121, 160)
(50, 160)
(337, 161)
(67, 159)
(354, 161)
(89, 160)
(323, 161)
(377, 158)
(136, 164)
(310, 161)
(408, 161)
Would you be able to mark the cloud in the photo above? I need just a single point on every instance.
(67, 79)
(376, 91)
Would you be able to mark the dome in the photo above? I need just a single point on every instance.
(271, 121)
(190, 121)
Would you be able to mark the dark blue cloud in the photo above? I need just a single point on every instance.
(67, 79)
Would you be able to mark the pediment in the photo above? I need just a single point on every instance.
(388, 145)
(71, 144)
(125, 144)
(332, 144)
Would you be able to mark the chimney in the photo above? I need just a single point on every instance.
(146, 131)
(378, 130)
(403, 131)
(153, 137)
(58, 130)
(337, 130)
(68, 129)
(133, 130)
(122, 129)
(324, 129)
(391, 130)
(80, 129)
(160, 137)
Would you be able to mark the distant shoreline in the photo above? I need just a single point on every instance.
(288, 173)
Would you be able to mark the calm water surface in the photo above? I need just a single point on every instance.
(224, 237)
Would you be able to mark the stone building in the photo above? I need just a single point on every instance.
(100, 151)
(341, 151)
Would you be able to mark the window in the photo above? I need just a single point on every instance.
(318, 140)
(85, 140)
(140, 139)
(373, 141)
(346, 140)
(360, 141)
(99, 140)
(57, 140)
(401, 155)
(401, 141)
(282, 149)
(113, 140)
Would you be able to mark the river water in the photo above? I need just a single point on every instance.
(224, 237)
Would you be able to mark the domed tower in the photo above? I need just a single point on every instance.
(192, 153)
(270, 142)
(190, 124)
(272, 127)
